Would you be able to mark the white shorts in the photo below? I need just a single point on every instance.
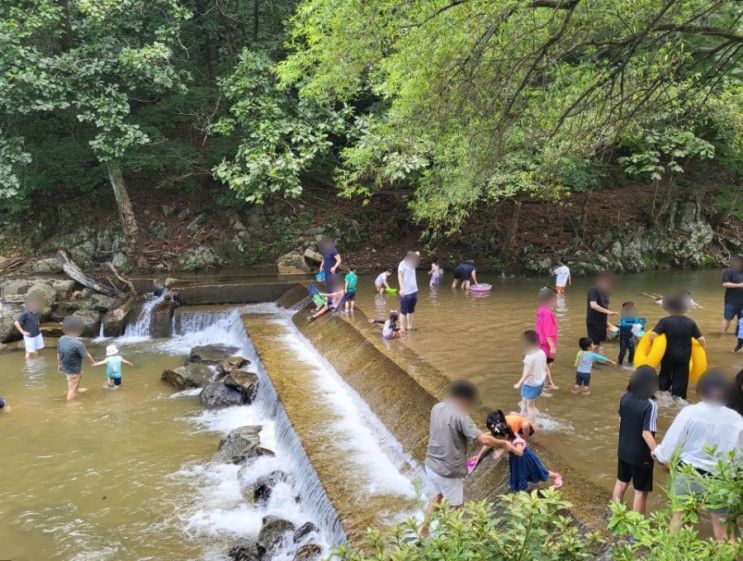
(33, 344)
(451, 488)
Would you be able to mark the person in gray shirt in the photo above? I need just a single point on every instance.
(70, 355)
(451, 431)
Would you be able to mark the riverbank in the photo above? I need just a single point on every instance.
(601, 228)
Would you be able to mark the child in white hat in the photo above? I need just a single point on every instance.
(113, 362)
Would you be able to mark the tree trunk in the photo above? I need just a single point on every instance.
(256, 18)
(128, 220)
(512, 230)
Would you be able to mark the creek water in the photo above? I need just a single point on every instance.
(477, 337)
(126, 475)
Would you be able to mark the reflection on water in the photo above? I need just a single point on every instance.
(478, 338)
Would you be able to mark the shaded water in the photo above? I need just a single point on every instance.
(477, 337)
(125, 475)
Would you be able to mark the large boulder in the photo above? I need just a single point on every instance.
(162, 318)
(103, 303)
(46, 296)
(244, 550)
(63, 287)
(233, 363)
(273, 534)
(312, 255)
(292, 263)
(211, 354)
(303, 531)
(62, 309)
(91, 320)
(192, 375)
(8, 315)
(13, 287)
(241, 445)
(45, 266)
(228, 391)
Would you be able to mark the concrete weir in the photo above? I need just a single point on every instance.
(364, 473)
(400, 388)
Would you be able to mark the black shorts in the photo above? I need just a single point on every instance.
(461, 275)
(350, 296)
(641, 475)
(116, 381)
(583, 379)
(407, 303)
(596, 333)
(550, 360)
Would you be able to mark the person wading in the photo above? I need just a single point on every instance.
(450, 432)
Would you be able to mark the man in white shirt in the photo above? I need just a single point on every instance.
(406, 277)
(695, 428)
(562, 277)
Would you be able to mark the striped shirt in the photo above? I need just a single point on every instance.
(71, 354)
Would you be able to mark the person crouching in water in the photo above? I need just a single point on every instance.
(524, 465)
(679, 331)
(518, 424)
(390, 329)
(70, 354)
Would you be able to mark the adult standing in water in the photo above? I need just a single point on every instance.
(406, 277)
(331, 261)
(696, 430)
(598, 312)
(465, 274)
(450, 431)
(732, 281)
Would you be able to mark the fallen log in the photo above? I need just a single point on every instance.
(114, 321)
(123, 280)
(77, 274)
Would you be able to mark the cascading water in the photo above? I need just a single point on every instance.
(141, 327)
(222, 508)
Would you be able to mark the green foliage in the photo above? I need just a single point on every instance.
(519, 527)
(653, 538)
(663, 152)
(281, 136)
(480, 100)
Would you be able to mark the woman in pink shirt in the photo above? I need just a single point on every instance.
(546, 327)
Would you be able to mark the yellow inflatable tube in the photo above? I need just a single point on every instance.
(698, 361)
(650, 353)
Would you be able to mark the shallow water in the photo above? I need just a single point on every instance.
(477, 337)
(125, 475)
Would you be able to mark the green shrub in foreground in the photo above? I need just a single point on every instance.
(519, 527)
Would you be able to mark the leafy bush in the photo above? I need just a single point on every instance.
(518, 527)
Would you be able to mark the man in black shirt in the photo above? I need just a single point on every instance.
(597, 311)
(732, 281)
(27, 325)
(638, 416)
(679, 331)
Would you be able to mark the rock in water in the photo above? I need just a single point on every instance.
(309, 552)
(211, 354)
(192, 375)
(233, 363)
(162, 318)
(244, 550)
(272, 535)
(91, 321)
(8, 314)
(240, 445)
(303, 531)
(243, 381)
(260, 490)
(46, 296)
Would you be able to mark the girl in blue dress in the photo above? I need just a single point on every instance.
(525, 466)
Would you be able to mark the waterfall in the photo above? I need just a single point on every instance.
(192, 328)
(141, 327)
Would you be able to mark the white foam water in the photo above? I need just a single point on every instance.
(219, 509)
(376, 456)
(141, 327)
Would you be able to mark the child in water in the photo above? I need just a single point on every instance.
(351, 279)
(328, 300)
(390, 330)
(381, 282)
(546, 327)
(70, 355)
(436, 272)
(113, 362)
(520, 426)
(739, 346)
(531, 383)
(524, 465)
(584, 364)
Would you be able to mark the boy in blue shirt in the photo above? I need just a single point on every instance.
(584, 364)
(113, 362)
